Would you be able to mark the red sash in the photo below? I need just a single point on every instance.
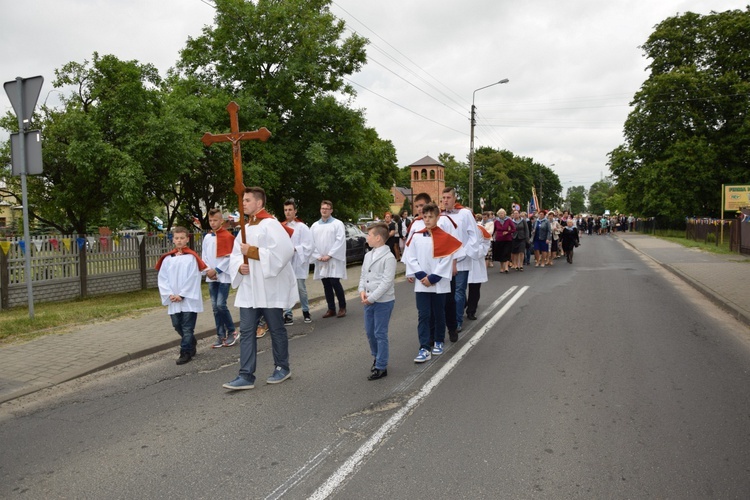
(443, 244)
(224, 242)
(263, 214)
(201, 265)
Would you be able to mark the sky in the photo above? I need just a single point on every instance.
(573, 67)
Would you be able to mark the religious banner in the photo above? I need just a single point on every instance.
(736, 196)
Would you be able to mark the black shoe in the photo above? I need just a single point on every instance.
(376, 374)
(185, 357)
(372, 369)
(453, 335)
(471, 316)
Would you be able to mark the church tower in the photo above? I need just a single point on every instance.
(428, 176)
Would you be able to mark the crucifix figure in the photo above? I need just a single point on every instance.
(235, 136)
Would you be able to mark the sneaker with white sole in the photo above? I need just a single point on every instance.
(422, 356)
(279, 375)
(437, 349)
(239, 384)
(231, 339)
(288, 320)
(218, 344)
(308, 319)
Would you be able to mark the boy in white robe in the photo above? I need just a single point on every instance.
(217, 246)
(302, 241)
(429, 265)
(265, 286)
(179, 282)
(477, 272)
(329, 255)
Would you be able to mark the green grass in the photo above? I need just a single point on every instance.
(59, 317)
(678, 236)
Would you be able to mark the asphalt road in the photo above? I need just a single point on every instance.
(604, 379)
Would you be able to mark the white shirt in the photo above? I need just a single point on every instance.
(467, 234)
(271, 282)
(420, 258)
(329, 238)
(302, 241)
(208, 254)
(179, 275)
(478, 271)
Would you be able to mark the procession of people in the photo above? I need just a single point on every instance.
(446, 249)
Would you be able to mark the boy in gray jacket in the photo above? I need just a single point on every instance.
(378, 296)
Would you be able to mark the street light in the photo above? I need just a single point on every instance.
(471, 148)
(541, 185)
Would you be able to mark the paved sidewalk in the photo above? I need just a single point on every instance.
(722, 278)
(53, 359)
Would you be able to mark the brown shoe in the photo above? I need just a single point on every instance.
(329, 313)
(342, 313)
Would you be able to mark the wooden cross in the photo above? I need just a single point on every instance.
(235, 136)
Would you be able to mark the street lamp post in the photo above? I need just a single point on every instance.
(541, 185)
(471, 147)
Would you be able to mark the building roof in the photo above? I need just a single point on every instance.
(427, 161)
(404, 191)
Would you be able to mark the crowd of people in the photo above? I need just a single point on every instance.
(446, 249)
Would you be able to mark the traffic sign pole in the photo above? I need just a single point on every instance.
(24, 106)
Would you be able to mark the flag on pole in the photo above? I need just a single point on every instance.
(535, 199)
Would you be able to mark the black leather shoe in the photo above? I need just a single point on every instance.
(453, 335)
(471, 317)
(376, 374)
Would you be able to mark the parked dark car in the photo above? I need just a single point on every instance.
(356, 243)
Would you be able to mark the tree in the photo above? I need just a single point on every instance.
(109, 151)
(576, 199)
(689, 130)
(600, 196)
(285, 63)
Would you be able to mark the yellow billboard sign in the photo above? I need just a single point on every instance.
(736, 196)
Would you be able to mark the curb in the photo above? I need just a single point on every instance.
(25, 391)
(714, 297)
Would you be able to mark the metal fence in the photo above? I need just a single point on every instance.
(66, 266)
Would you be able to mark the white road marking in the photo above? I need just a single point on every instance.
(350, 466)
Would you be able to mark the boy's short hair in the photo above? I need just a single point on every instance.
(451, 190)
(431, 208)
(214, 211)
(291, 201)
(327, 202)
(180, 229)
(379, 229)
(258, 193)
(423, 197)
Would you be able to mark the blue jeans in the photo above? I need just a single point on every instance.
(249, 318)
(222, 317)
(184, 324)
(377, 317)
(303, 303)
(462, 281)
(430, 305)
